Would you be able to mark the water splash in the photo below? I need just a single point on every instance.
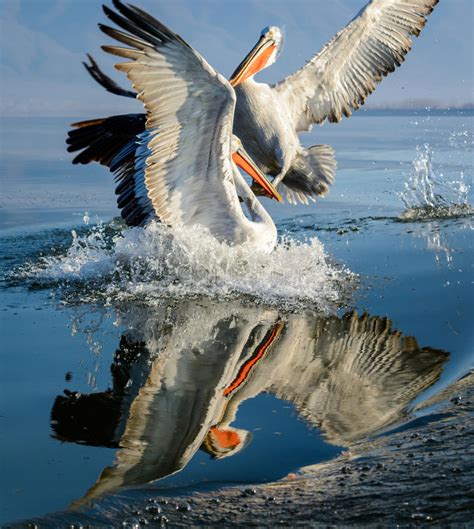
(460, 139)
(430, 195)
(148, 264)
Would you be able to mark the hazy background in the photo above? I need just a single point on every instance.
(44, 41)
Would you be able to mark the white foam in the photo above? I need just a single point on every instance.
(150, 263)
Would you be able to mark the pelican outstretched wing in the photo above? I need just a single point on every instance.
(186, 162)
(338, 79)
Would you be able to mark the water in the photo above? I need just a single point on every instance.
(135, 363)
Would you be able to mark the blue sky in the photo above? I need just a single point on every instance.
(44, 41)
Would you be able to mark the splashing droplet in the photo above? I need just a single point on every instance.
(429, 195)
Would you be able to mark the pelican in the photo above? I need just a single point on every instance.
(183, 170)
(333, 84)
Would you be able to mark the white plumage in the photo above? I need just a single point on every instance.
(331, 85)
(338, 79)
(181, 171)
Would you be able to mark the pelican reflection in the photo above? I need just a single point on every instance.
(181, 372)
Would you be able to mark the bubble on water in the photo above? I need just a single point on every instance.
(147, 264)
(153, 509)
(131, 523)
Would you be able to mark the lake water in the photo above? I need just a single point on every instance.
(135, 365)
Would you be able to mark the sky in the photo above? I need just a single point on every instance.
(44, 41)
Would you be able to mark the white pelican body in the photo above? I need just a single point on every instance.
(181, 169)
(268, 134)
(333, 83)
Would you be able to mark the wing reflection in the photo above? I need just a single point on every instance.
(181, 372)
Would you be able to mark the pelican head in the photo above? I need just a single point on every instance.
(242, 159)
(262, 55)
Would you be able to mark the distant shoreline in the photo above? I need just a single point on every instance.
(467, 110)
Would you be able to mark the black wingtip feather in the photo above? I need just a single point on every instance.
(104, 80)
(130, 25)
(113, 142)
(144, 22)
(102, 139)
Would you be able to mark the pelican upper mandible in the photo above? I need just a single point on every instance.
(182, 170)
(332, 84)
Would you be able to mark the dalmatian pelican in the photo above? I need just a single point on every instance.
(183, 170)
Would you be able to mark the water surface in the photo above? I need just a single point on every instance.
(132, 365)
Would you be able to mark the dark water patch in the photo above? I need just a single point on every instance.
(422, 111)
(427, 213)
(314, 223)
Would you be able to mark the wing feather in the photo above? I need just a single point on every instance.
(190, 107)
(118, 142)
(104, 80)
(341, 76)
